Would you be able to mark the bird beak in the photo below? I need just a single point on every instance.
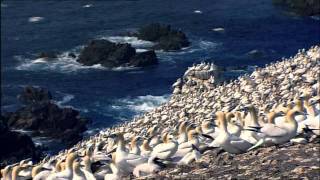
(315, 102)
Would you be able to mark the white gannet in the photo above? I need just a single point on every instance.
(152, 133)
(250, 121)
(281, 133)
(115, 175)
(166, 149)
(145, 147)
(186, 147)
(233, 126)
(152, 166)
(230, 143)
(125, 160)
(194, 155)
(134, 146)
(77, 173)
(182, 137)
(68, 172)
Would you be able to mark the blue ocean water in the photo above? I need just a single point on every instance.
(111, 96)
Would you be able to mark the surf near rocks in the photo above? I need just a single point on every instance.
(43, 117)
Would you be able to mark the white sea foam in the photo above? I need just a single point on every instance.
(134, 41)
(141, 103)
(35, 19)
(87, 6)
(63, 64)
(197, 11)
(66, 98)
(124, 68)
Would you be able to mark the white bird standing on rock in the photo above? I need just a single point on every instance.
(152, 166)
(278, 134)
(227, 141)
(68, 172)
(166, 149)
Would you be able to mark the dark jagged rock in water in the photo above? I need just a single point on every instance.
(144, 59)
(31, 95)
(110, 55)
(43, 116)
(165, 37)
(301, 7)
(48, 55)
(15, 146)
(72, 55)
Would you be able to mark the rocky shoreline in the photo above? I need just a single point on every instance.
(196, 98)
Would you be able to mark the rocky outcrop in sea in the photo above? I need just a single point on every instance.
(165, 37)
(43, 117)
(301, 7)
(15, 146)
(111, 55)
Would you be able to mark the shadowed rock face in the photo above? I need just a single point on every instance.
(165, 37)
(42, 116)
(15, 146)
(144, 59)
(111, 55)
(301, 7)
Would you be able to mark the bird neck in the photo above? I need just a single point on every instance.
(310, 109)
(145, 146)
(254, 117)
(121, 145)
(35, 171)
(290, 119)
(69, 163)
(15, 172)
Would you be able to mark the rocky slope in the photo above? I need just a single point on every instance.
(285, 162)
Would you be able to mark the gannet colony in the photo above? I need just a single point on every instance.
(268, 108)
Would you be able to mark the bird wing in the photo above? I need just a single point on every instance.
(163, 147)
(273, 130)
(241, 144)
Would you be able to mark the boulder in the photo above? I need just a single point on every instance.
(72, 55)
(44, 117)
(15, 146)
(165, 37)
(34, 95)
(144, 59)
(301, 7)
(111, 55)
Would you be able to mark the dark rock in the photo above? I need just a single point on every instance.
(34, 95)
(144, 59)
(301, 7)
(166, 38)
(46, 118)
(15, 146)
(48, 55)
(72, 55)
(106, 53)
(110, 55)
